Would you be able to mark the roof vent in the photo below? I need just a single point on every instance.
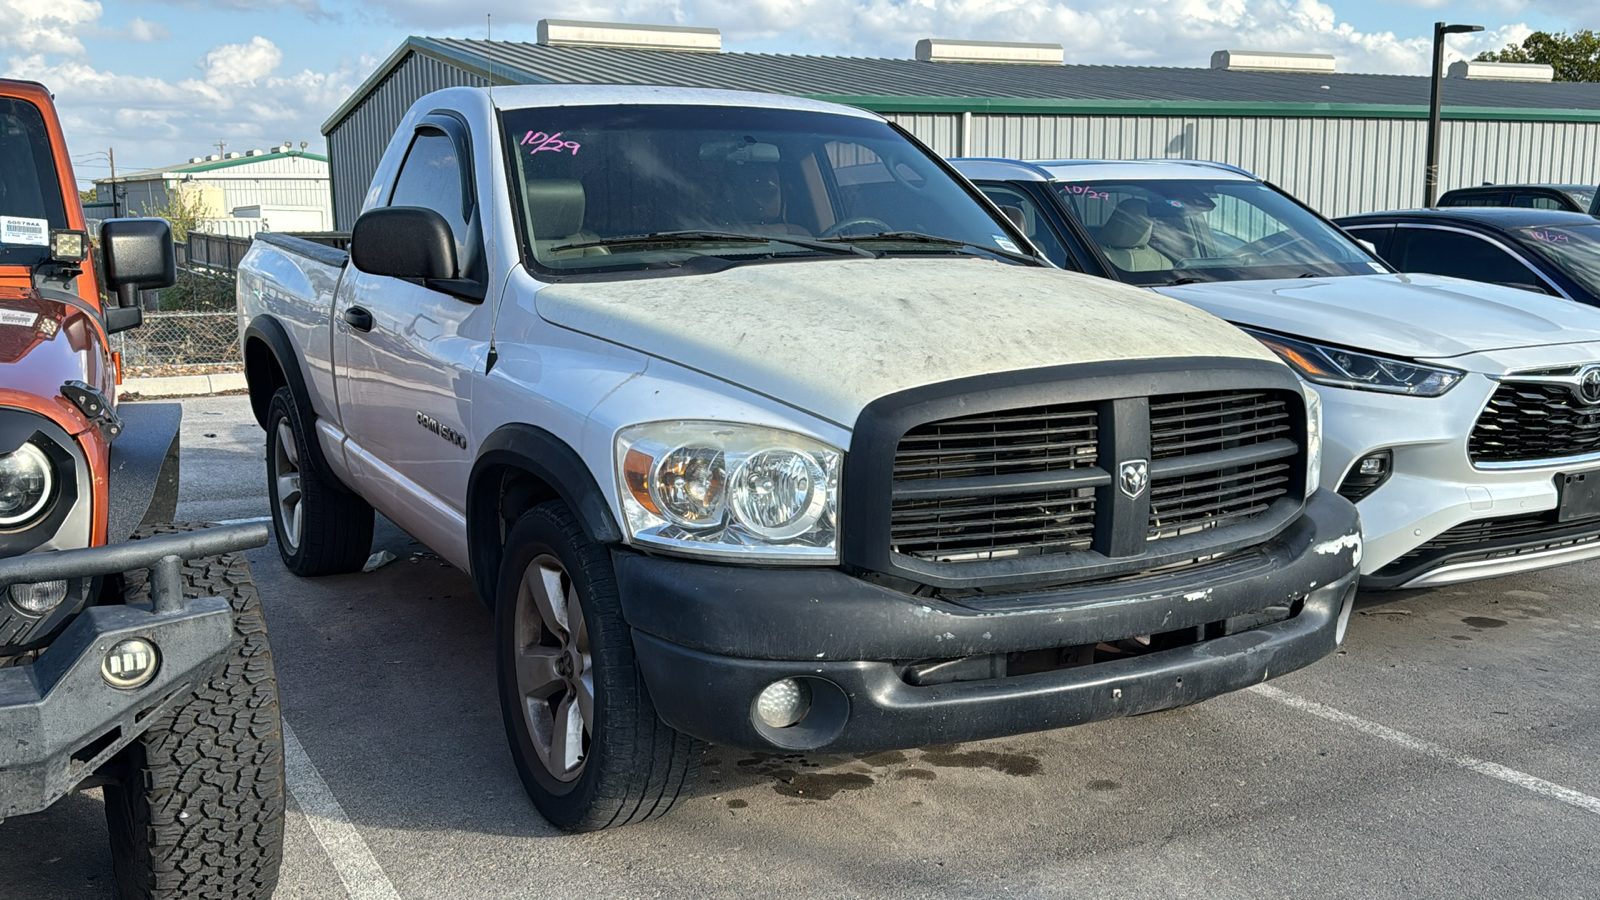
(1493, 71)
(213, 158)
(1272, 61)
(196, 159)
(252, 153)
(937, 50)
(565, 33)
(234, 154)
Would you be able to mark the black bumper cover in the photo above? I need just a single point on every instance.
(710, 638)
(59, 718)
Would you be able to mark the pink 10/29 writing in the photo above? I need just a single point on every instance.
(539, 142)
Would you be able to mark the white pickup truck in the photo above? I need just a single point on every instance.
(754, 423)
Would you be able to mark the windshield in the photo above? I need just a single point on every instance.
(1179, 231)
(604, 187)
(1575, 250)
(30, 191)
(1584, 197)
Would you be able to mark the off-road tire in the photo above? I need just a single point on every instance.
(195, 805)
(637, 766)
(336, 525)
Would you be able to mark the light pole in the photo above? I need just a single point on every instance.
(1430, 177)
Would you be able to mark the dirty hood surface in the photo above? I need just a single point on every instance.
(830, 336)
(1415, 316)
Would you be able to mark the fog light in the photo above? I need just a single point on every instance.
(1367, 475)
(38, 598)
(784, 703)
(1375, 465)
(130, 664)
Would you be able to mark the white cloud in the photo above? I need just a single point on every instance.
(242, 63)
(144, 32)
(46, 26)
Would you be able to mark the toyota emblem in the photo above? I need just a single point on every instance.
(1136, 474)
(1588, 387)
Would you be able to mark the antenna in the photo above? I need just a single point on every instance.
(494, 204)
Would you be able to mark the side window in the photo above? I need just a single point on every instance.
(1378, 236)
(1460, 255)
(1480, 198)
(1034, 224)
(1537, 201)
(431, 177)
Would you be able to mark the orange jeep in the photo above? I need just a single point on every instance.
(137, 666)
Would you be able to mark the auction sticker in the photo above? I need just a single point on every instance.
(18, 317)
(1004, 244)
(30, 232)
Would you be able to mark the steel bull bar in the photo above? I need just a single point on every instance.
(67, 712)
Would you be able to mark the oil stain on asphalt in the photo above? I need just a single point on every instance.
(825, 777)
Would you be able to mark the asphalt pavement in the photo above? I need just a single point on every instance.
(1449, 751)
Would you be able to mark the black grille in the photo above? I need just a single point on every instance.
(1526, 422)
(1495, 539)
(1014, 443)
(1030, 481)
(1186, 425)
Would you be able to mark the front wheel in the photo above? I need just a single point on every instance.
(585, 738)
(195, 805)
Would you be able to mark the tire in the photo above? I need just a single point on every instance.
(631, 766)
(321, 527)
(195, 805)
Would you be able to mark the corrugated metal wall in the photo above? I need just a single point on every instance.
(356, 144)
(1338, 166)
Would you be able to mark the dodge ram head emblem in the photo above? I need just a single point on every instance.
(1589, 385)
(1135, 477)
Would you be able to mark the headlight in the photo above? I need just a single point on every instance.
(722, 488)
(1338, 367)
(1313, 439)
(26, 484)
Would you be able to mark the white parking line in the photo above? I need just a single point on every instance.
(1426, 748)
(362, 876)
(245, 521)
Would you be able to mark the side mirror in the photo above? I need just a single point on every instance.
(1014, 213)
(409, 242)
(138, 256)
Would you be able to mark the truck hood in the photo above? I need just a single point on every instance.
(1414, 316)
(830, 336)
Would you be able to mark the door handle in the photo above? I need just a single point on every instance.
(358, 318)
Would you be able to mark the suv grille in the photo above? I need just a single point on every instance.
(1031, 481)
(1527, 422)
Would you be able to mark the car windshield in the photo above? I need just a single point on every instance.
(1574, 250)
(609, 187)
(1584, 197)
(1160, 232)
(30, 191)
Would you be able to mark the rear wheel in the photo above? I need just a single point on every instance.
(587, 742)
(195, 804)
(322, 528)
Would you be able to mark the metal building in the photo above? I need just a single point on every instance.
(1344, 143)
(286, 183)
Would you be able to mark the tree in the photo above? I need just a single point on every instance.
(183, 210)
(1576, 56)
(89, 196)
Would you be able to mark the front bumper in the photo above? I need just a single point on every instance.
(1433, 487)
(710, 638)
(60, 719)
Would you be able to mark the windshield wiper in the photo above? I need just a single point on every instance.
(1187, 280)
(917, 237)
(687, 237)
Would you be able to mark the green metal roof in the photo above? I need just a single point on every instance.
(212, 165)
(906, 85)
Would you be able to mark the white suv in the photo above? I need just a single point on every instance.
(1463, 418)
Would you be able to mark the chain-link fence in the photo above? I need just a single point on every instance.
(190, 325)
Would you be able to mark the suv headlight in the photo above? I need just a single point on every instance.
(727, 489)
(1313, 439)
(1338, 367)
(27, 483)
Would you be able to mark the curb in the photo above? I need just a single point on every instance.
(184, 385)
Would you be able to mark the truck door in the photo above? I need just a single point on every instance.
(405, 354)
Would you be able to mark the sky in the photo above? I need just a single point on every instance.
(164, 80)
